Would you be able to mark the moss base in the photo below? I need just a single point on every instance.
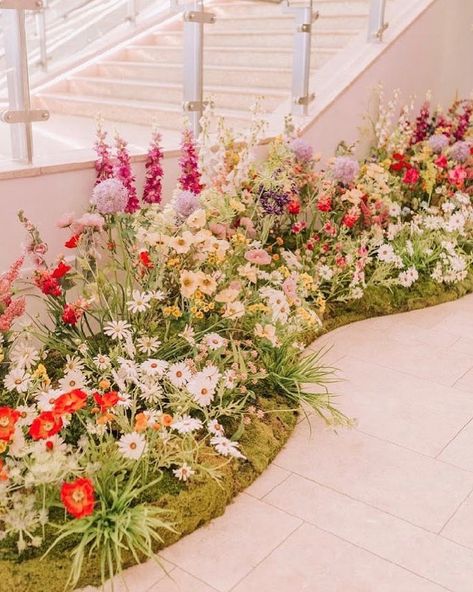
(197, 504)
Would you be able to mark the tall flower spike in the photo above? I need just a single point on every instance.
(154, 170)
(103, 163)
(190, 178)
(124, 173)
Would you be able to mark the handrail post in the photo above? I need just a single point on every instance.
(377, 24)
(195, 17)
(132, 11)
(19, 115)
(301, 96)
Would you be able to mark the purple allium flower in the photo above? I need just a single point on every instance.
(345, 169)
(186, 203)
(110, 196)
(460, 151)
(303, 151)
(273, 201)
(438, 142)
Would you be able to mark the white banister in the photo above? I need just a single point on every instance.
(304, 16)
(377, 24)
(41, 30)
(19, 115)
(194, 17)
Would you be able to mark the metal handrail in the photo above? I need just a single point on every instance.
(377, 24)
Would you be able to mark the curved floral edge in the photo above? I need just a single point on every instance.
(199, 503)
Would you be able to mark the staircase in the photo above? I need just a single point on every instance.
(248, 54)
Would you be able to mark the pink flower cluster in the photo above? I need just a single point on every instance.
(10, 309)
(190, 178)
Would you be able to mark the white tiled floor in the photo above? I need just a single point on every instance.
(384, 507)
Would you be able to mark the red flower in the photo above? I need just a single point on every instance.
(340, 261)
(324, 203)
(294, 207)
(106, 400)
(48, 284)
(457, 176)
(411, 176)
(8, 419)
(60, 270)
(70, 402)
(73, 241)
(69, 315)
(349, 220)
(45, 425)
(298, 227)
(145, 260)
(78, 497)
(400, 162)
(441, 162)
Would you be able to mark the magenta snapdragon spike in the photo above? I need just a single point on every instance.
(463, 122)
(123, 172)
(190, 179)
(103, 163)
(154, 171)
(421, 129)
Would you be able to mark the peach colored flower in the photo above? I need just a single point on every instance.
(189, 283)
(258, 257)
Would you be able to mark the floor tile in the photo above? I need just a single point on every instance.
(408, 546)
(312, 560)
(272, 477)
(180, 581)
(460, 450)
(460, 526)
(419, 489)
(225, 550)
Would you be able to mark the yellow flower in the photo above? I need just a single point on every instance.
(173, 262)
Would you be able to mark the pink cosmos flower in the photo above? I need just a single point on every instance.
(66, 220)
(89, 220)
(258, 257)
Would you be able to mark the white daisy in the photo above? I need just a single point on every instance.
(27, 414)
(139, 302)
(102, 362)
(24, 355)
(179, 374)
(117, 330)
(226, 447)
(17, 380)
(154, 367)
(151, 392)
(215, 428)
(132, 445)
(184, 472)
(158, 295)
(214, 341)
(46, 399)
(73, 364)
(188, 334)
(186, 424)
(72, 380)
(202, 388)
(148, 345)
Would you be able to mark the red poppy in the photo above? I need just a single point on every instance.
(69, 315)
(45, 425)
(78, 497)
(145, 260)
(294, 207)
(60, 270)
(73, 241)
(48, 284)
(107, 400)
(411, 176)
(70, 402)
(8, 419)
(399, 163)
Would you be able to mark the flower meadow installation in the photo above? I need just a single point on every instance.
(166, 365)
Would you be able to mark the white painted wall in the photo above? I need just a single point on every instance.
(435, 52)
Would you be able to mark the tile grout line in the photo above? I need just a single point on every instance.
(452, 439)
(456, 510)
(272, 488)
(302, 522)
(364, 549)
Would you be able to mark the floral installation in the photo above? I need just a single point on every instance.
(168, 325)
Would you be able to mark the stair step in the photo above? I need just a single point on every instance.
(263, 38)
(236, 76)
(222, 56)
(267, 9)
(167, 116)
(223, 97)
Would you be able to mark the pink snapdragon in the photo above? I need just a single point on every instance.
(154, 171)
(14, 310)
(123, 172)
(190, 178)
(103, 163)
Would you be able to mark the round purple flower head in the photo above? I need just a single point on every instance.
(460, 151)
(110, 196)
(303, 151)
(345, 169)
(438, 142)
(186, 203)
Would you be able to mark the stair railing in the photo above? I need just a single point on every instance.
(195, 17)
(377, 24)
(19, 115)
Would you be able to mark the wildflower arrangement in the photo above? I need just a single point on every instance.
(168, 329)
